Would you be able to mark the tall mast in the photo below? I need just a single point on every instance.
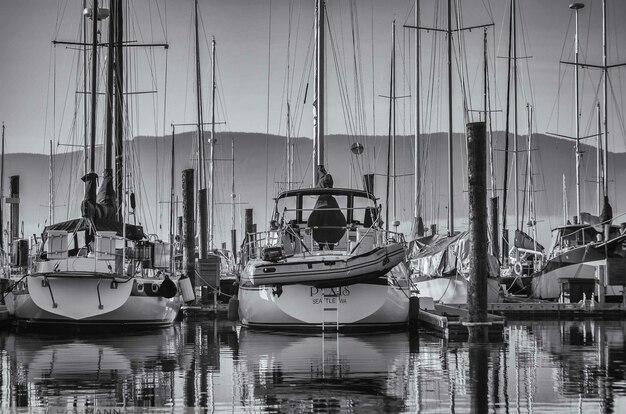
(94, 78)
(318, 107)
(119, 107)
(450, 155)
(85, 125)
(416, 155)
(172, 165)
(576, 7)
(212, 151)
(488, 116)
(51, 184)
(600, 184)
(289, 150)
(233, 195)
(393, 119)
(108, 145)
(515, 158)
(172, 153)
(605, 98)
(530, 185)
(199, 102)
(392, 130)
(506, 143)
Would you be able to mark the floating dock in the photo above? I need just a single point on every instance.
(451, 322)
(553, 310)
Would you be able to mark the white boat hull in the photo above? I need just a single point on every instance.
(452, 290)
(548, 285)
(362, 305)
(77, 303)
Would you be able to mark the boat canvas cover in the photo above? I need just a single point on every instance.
(448, 256)
(132, 232)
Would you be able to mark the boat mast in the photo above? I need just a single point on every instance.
(51, 184)
(605, 98)
(85, 126)
(94, 85)
(391, 148)
(576, 7)
(318, 106)
(531, 198)
(172, 165)
(119, 108)
(289, 149)
(515, 118)
(600, 184)
(212, 152)
(199, 102)
(416, 156)
(233, 197)
(450, 155)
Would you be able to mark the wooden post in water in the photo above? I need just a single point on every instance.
(14, 201)
(495, 245)
(203, 212)
(248, 229)
(477, 188)
(189, 248)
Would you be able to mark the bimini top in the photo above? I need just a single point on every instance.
(330, 191)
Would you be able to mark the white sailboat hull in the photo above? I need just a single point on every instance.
(452, 290)
(548, 285)
(361, 305)
(77, 303)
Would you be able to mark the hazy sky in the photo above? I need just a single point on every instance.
(38, 83)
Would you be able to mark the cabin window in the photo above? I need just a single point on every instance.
(362, 208)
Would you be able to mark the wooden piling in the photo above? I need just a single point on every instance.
(14, 201)
(249, 212)
(233, 243)
(477, 189)
(189, 248)
(203, 214)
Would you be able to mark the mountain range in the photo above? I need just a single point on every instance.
(260, 172)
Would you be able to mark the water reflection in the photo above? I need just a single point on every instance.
(576, 366)
(325, 372)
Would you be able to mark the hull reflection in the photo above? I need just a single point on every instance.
(324, 372)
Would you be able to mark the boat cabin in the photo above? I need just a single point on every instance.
(79, 241)
(320, 220)
(568, 237)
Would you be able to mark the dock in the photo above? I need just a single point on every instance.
(529, 309)
(452, 322)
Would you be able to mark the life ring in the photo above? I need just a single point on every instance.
(517, 268)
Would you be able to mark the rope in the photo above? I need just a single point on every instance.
(211, 287)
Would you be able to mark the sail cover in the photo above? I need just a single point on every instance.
(448, 256)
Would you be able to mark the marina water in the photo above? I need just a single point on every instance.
(541, 366)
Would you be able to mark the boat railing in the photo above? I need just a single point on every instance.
(300, 240)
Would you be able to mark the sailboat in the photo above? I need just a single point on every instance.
(440, 268)
(587, 257)
(326, 262)
(97, 270)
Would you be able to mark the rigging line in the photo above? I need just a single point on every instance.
(345, 103)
